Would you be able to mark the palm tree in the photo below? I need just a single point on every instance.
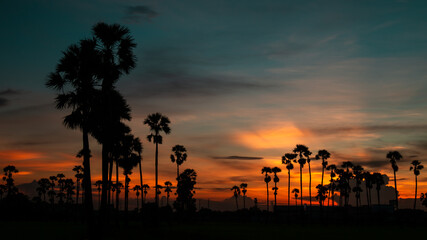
(8, 177)
(168, 190)
(236, 193)
(159, 191)
(44, 185)
(145, 187)
(295, 191)
(79, 176)
(179, 156)
(394, 157)
(52, 192)
(307, 156)
(378, 179)
(324, 155)
(243, 186)
(137, 188)
(276, 179)
(331, 168)
(300, 150)
(358, 176)
(157, 123)
(347, 175)
(367, 176)
(267, 179)
(98, 184)
(321, 194)
(137, 145)
(416, 167)
(74, 80)
(115, 46)
(287, 159)
(61, 184)
(3, 189)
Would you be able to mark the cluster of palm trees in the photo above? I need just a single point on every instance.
(237, 192)
(339, 178)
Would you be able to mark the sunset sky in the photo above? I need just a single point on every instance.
(242, 82)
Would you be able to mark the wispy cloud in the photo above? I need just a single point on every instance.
(238, 158)
(136, 14)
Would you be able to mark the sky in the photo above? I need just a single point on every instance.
(242, 82)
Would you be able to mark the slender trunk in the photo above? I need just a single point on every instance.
(157, 171)
(415, 199)
(126, 193)
(110, 176)
(117, 185)
(275, 194)
(87, 178)
(395, 191)
(244, 203)
(167, 199)
(300, 181)
(104, 194)
(99, 198)
(140, 176)
(367, 195)
(289, 187)
(309, 184)
(267, 199)
(323, 170)
(78, 189)
(237, 204)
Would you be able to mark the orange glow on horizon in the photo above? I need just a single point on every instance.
(19, 155)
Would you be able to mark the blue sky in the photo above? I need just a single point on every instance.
(237, 78)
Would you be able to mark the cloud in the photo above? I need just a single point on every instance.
(136, 14)
(10, 92)
(372, 128)
(238, 158)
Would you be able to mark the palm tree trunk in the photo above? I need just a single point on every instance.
(309, 184)
(275, 194)
(157, 164)
(110, 176)
(415, 199)
(395, 190)
(104, 195)
(289, 187)
(333, 198)
(244, 201)
(177, 171)
(323, 170)
(87, 177)
(126, 194)
(118, 188)
(367, 195)
(77, 194)
(237, 204)
(99, 197)
(267, 199)
(137, 202)
(140, 177)
(300, 181)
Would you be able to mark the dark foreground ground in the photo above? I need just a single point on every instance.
(210, 230)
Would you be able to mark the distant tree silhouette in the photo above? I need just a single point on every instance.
(157, 123)
(301, 150)
(185, 191)
(236, 193)
(287, 160)
(342, 184)
(276, 179)
(98, 184)
(43, 188)
(179, 156)
(61, 185)
(168, 190)
(324, 155)
(3, 189)
(69, 190)
(295, 191)
(358, 176)
(423, 199)
(159, 192)
(416, 168)
(137, 188)
(117, 188)
(394, 157)
(145, 187)
(79, 176)
(243, 187)
(52, 192)
(8, 177)
(331, 185)
(307, 157)
(267, 179)
(321, 194)
(378, 179)
(347, 175)
(367, 176)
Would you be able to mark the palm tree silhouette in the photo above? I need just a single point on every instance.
(137, 188)
(287, 159)
(79, 176)
(145, 187)
(98, 184)
(236, 193)
(358, 176)
(321, 194)
(394, 158)
(44, 185)
(379, 181)
(115, 46)
(137, 145)
(157, 123)
(267, 179)
(300, 150)
(416, 167)
(295, 191)
(307, 156)
(324, 155)
(61, 183)
(347, 175)
(168, 190)
(8, 177)
(331, 168)
(179, 156)
(243, 186)
(367, 176)
(77, 71)
(3, 189)
(276, 179)
(159, 191)
(52, 192)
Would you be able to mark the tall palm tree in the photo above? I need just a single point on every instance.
(358, 176)
(115, 46)
(157, 123)
(321, 194)
(307, 156)
(168, 190)
(347, 175)
(416, 167)
(236, 194)
(394, 157)
(179, 156)
(301, 150)
(378, 179)
(44, 184)
(8, 177)
(267, 179)
(331, 168)
(287, 159)
(295, 191)
(243, 186)
(145, 187)
(367, 176)
(74, 81)
(137, 146)
(79, 176)
(324, 155)
(52, 192)
(98, 185)
(137, 188)
(276, 179)
(61, 183)
(159, 191)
